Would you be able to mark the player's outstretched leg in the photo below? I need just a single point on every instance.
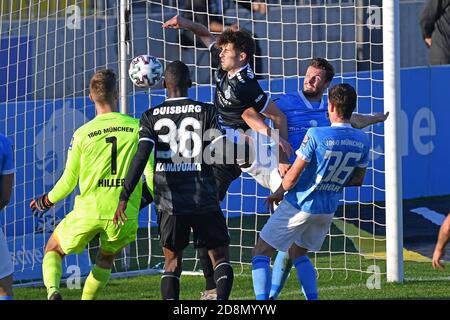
(280, 272)
(210, 292)
(306, 273)
(170, 280)
(52, 268)
(99, 276)
(223, 271)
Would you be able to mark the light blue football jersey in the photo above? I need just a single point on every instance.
(332, 152)
(301, 115)
(6, 156)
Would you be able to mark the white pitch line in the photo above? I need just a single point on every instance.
(420, 279)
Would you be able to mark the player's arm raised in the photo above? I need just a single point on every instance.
(360, 121)
(179, 22)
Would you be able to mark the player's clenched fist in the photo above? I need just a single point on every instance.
(41, 204)
(177, 22)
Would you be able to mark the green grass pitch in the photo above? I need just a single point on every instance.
(421, 282)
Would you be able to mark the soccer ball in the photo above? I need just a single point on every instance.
(145, 71)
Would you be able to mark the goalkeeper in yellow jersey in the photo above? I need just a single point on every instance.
(99, 156)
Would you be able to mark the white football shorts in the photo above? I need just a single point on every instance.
(288, 225)
(264, 168)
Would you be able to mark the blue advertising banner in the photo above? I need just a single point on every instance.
(16, 68)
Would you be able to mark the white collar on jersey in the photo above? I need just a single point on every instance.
(341, 124)
(308, 103)
(175, 99)
(242, 68)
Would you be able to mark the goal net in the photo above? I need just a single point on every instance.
(288, 35)
(50, 49)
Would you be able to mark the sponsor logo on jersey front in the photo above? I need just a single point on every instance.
(223, 101)
(228, 93)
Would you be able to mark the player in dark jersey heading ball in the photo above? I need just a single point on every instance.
(185, 192)
(239, 99)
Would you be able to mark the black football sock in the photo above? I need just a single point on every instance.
(223, 275)
(170, 286)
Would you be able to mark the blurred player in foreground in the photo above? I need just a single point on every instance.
(6, 182)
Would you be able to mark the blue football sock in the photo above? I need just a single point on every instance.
(281, 269)
(307, 277)
(261, 277)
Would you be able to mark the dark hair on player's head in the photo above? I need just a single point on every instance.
(241, 39)
(321, 63)
(103, 87)
(177, 75)
(343, 97)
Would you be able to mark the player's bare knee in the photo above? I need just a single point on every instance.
(262, 248)
(53, 245)
(104, 260)
(172, 265)
(172, 261)
(297, 252)
(219, 255)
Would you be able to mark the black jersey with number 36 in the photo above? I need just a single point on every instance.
(235, 94)
(184, 183)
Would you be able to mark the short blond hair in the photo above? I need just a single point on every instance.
(103, 87)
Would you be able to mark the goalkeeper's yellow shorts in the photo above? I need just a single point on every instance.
(75, 231)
